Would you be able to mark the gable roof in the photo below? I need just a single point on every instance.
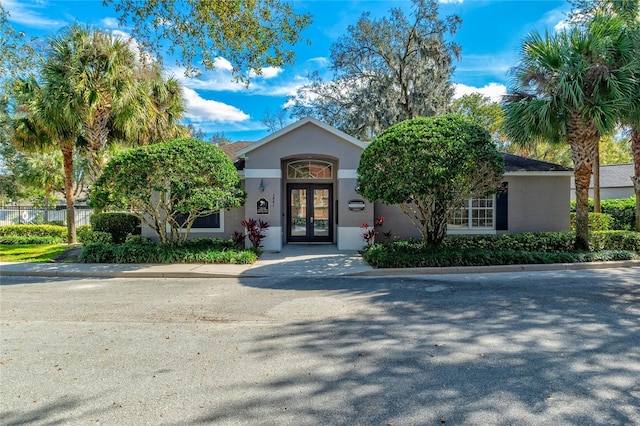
(614, 176)
(290, 128)
(517, 164)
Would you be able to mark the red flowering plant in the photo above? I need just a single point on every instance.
(255, 231)
(370, 233)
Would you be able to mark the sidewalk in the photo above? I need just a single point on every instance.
(291, 261)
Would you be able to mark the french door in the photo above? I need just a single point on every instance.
(309, 212)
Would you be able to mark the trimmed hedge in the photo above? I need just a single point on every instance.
(119, 225)
(622, 210)
(597, 221)
(86, 235)
(54, 231)
(19, 240)
(506, 249)
(142, 250)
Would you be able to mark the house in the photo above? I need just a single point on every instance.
(302, 181)
(615, 182)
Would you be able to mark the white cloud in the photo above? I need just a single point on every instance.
(450, 1)
(109, 22)
(494, 91)
(320, 61)
(28, 14)
(222, 64)
(561, 26)
(205, 110)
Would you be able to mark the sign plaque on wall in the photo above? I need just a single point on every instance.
(262, 207)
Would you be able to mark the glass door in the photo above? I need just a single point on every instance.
(309, 213)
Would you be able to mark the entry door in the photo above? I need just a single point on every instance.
(309, 212)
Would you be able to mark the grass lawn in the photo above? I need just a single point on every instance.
(32, 252)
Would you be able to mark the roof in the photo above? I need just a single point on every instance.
(614, 176)
(231, 149)
(298, 124)
(516, 163)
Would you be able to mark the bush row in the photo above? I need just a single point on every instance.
(525, 248)
(597, 221)
(378, 256)
(143, 250)
(19, 240)
(622, 211)
(54, 231)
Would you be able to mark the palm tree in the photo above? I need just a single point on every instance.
(162, 106)
(571, 86)
(99, 80)
(44, 120)
(44, 170)
(629, 11)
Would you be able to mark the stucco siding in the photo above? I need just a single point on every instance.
(538, 203)
(305, 140)
(396, 222)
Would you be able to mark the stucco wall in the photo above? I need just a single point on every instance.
(538, 203)
(307, 139)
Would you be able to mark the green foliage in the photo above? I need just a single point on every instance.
(622, 210)
(34, 231)
(140, 250)
(549, 242)
(597, 221)
(86, 235)
(118, 225)
(430, 167)
(507, 249)
(250, 35)
(386, 70)
(615, 240)
(22, 240)
(169, 185)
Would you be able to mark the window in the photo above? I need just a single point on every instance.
(307, 169)
(211, 221)
(476, 214)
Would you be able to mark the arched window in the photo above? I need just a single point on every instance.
(309, 169)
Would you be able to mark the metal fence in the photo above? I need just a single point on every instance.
(14, 215)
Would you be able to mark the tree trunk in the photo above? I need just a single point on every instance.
(596, 182)
(635, 148)
(67, 160)
(583, 140)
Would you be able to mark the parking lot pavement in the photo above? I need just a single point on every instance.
(559, 347)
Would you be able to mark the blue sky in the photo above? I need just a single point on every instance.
(490, 37)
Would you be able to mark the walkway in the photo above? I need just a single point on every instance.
(292, 260)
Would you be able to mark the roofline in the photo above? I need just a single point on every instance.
(291, 127)
(539, 173)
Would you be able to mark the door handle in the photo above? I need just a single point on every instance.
(311, 219)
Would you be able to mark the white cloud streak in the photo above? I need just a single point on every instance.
(204, 110)
(494, 91)
(27, 14)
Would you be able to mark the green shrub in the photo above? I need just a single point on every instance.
(20, 240)
(597, 221)
(615, 240)
(34, 231)
(119, 225)
(528, 241)
(143, 250)
(86, 235)
(402, 256)
(622, 210)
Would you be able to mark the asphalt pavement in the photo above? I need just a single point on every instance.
(533, 348)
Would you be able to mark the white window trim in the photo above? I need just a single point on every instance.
(470, 229)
